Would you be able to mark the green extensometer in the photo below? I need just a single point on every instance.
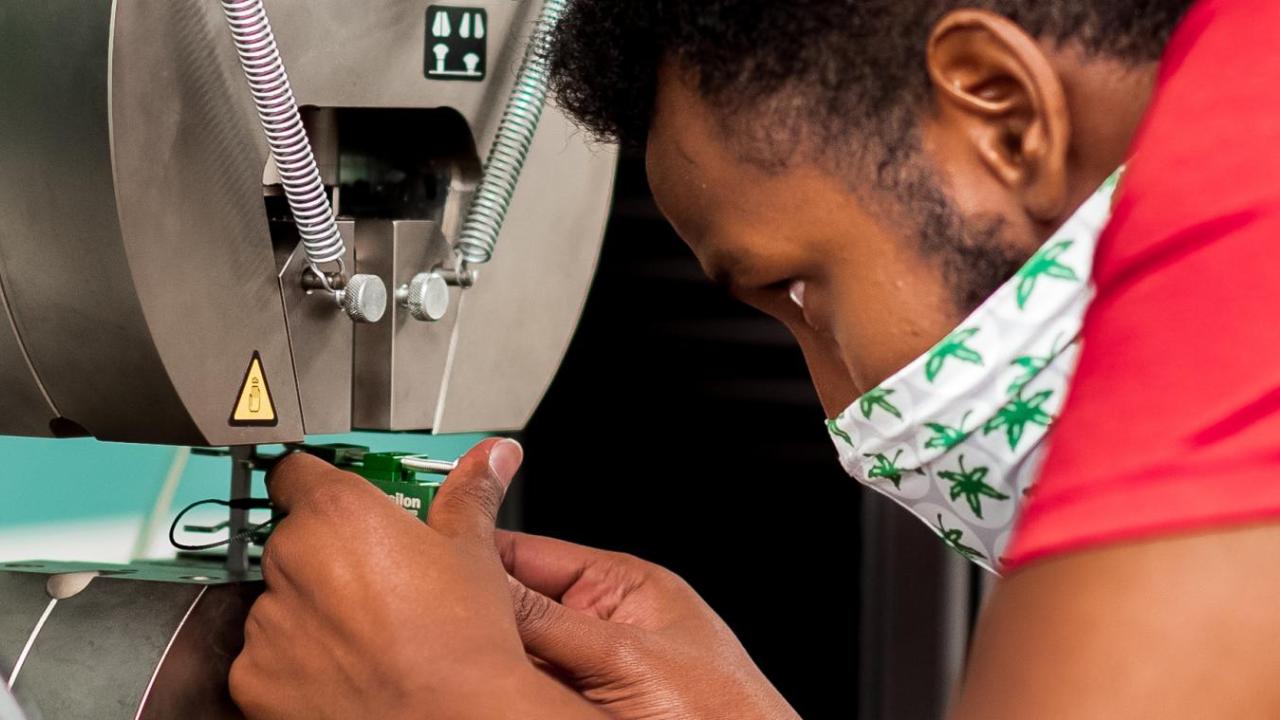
(410, 481)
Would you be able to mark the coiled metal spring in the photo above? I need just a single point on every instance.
(510, 148)
(286, 136)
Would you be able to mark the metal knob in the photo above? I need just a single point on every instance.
(427, 297)
(364, 298)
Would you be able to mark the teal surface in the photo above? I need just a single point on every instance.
(66, 480)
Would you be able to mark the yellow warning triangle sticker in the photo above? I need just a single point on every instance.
(254, 406)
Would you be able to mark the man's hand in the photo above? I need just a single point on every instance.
(630, 636)
(370, 613)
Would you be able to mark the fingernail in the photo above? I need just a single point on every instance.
(504, 460)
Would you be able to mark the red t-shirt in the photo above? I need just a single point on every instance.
(1173, 420)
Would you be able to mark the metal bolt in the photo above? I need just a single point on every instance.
(463, 278)
(364, 299)
(311, 280)
(426, 297)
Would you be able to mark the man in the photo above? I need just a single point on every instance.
(877, 174)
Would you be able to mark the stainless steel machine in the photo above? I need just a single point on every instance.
(198, 248)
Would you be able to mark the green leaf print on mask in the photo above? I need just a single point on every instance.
(878, 398)
(953, 538)
(1044, 263)
(835, 430)
(1017, 414)
(972, 486)
(953, 346)
(947, 437)
(887, 469)
(1033, 365)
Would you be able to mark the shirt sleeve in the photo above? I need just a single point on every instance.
(1173, 420)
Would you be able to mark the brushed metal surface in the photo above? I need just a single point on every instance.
(188, 164)
(23, 599)
(519, 318)
(370, 54)
(63, 265)
(27, 409)
(400, 363)
(141, 280)
(137, 260)
(517, 322)
(191, 681)
(137, 642)
(122, 636)
(321, 348)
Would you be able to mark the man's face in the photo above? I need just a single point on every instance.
(852, 285)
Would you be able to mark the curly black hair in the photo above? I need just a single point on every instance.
(786, 75)
(804, 68)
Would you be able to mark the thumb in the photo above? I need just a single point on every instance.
(576, 644)
(468, 502)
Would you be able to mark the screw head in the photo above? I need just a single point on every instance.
(364, 299)
(428, 298)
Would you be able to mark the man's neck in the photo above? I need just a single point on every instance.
(1107, 100)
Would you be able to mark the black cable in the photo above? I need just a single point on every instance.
(238, 504)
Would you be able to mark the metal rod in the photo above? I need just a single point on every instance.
(330, 281)
(462, 278)
(422, 464)
(241, 487)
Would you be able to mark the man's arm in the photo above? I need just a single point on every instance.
(1181, 627)
(370, 613)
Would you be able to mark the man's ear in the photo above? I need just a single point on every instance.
(993, 81)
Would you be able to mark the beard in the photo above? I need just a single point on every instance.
(975, 253)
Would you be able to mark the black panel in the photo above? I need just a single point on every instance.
(694, 439)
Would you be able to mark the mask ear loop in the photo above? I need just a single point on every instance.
(240, 504)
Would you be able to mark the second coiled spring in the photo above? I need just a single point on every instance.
(511, 146)
(286, 136)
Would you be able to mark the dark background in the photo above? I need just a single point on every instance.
(683, 428)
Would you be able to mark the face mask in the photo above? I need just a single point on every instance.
(957, 436)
